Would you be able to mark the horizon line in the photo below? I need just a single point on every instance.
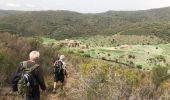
(84, 12)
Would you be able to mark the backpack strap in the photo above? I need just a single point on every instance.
(26, 69)
(24, 64)
(34, 67)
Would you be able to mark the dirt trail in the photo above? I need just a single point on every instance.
(68, 88)
(6, 94)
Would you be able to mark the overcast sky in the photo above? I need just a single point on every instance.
(84, 6)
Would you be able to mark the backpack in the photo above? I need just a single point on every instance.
(26, 79)
(58, 68)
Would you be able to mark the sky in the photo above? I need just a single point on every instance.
(83, 6)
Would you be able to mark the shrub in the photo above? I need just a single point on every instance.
(159, 74)
(139, 66)
(80, 51)
(116, 60)
(118, 44)
(35, 43)
(1, 58)
(131, 56)
(160, 58)
(131, 63)
(70, 51)
(17, 50)
(86, 55)
(62, 94)
(103, 58)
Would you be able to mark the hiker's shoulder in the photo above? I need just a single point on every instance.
(62, 61)
(31, 63)
(25, 61)
(22, 63)
(36, 68)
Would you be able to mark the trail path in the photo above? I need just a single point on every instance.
(69, 86)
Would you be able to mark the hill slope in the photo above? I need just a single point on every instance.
(67, 24)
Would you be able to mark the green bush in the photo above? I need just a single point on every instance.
(80, 51)
(109, 54)
(1, 59)
(103, 58)
(35, 43)
(131, 56)
(159, 74)
(139, 66)
(86, 55)
(17, 50)
(70, 51)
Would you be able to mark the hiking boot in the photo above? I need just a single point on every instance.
(54, 91)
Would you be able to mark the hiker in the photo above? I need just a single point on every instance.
(32, 74)
(60, 73)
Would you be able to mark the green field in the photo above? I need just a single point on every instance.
(48, 41)
(138, 54)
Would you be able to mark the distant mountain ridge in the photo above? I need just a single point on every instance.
(67, 24)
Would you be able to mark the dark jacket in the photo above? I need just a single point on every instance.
(37, 74)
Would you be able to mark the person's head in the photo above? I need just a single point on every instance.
(62, 57)
(34, 55)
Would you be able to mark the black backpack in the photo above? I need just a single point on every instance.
(58, 68)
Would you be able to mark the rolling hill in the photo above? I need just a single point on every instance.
(67, 24)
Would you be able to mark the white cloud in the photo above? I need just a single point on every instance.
(30, 5)
(13, 5)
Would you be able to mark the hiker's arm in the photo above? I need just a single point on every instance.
(65, 69)
(40, 79)
(54, 63)
(64, 65)
(15, 79)
(18, 71)
(19, 68)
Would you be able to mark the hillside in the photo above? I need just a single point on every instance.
(89, 78)
(67, 24)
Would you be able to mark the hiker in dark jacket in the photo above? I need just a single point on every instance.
(59, 74)
(37, 75)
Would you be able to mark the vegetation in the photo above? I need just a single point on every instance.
(145, 56)
(92, 78)
(127, 57)
(14, 49)
(66, 24)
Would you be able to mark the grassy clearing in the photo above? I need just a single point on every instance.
(140, 53)
(48, 41)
